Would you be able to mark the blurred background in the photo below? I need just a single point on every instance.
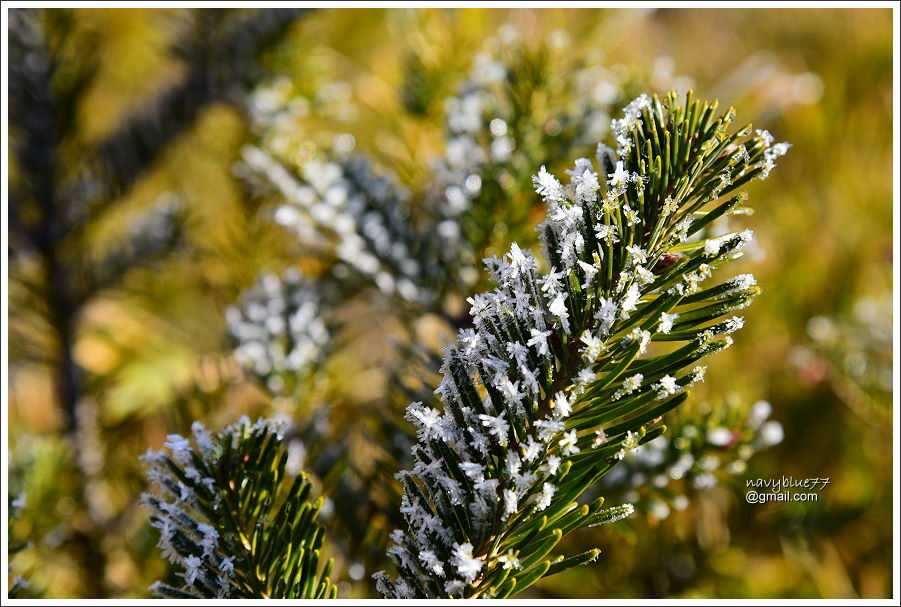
(134, 226)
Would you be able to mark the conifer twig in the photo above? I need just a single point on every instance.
(551, 387)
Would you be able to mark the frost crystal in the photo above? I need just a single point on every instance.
(431, 562)
(547, 186)
(558, 309)
(666, 322)
(547, 493)
(467, 566)
(667, 386)
(561, 405)
(630, 385)
(508, 561)
(630, 443)
(568, 443)
(619, 178)
(497, 426)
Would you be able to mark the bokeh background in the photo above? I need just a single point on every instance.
(150, 344)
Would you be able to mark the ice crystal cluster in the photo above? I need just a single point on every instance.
(555, 381)
(225, 522)
(280, 330)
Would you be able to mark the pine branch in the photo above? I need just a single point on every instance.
(52, 212)
(232, 520)
(281, 335)
(54, 209)
(34, 125)
(221, 68)
(550, 389)
(18, 585)
(344, 210)
(149, 235)
(521, 102)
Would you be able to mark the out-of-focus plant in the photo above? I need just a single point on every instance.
(853, 354)
(521, 104)
(697, 452)
(66, 186)
(280, 332)
(15, 505)
(343, 212)
(62, 189)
